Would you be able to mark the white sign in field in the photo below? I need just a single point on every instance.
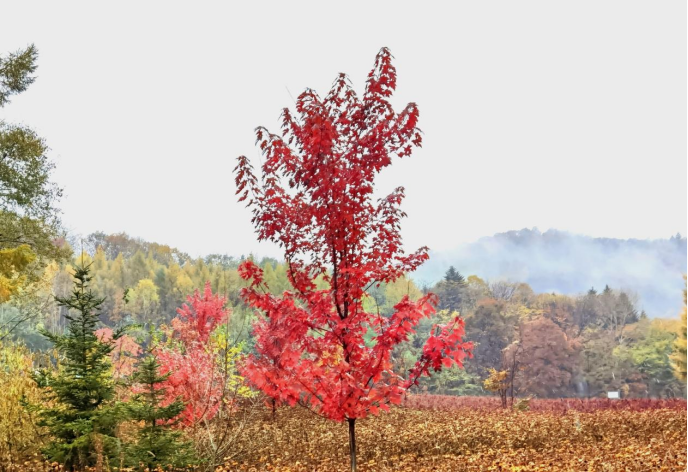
(613, 395)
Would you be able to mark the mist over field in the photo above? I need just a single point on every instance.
(566, 263)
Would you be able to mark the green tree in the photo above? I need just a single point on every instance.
(16, 72)
(82, 415)
(138, 268)
(28, 217)
(452, 291)
(157, 445)
(453, 381)
(601, 370)
(162, 281)
(453, 275)
(25, 170)
(652, 373)
(587, 311)
(491, 328)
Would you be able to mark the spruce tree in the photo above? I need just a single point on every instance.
(451, 290)
(83, 415)
(454, 276)
(157, 445)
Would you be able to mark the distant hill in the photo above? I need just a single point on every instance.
(561, 262)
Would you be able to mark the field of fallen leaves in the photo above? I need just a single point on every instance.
(598, 436)
(442, 434)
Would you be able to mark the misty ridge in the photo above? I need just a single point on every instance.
(565, 263)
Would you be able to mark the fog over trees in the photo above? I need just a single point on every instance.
(561, 262)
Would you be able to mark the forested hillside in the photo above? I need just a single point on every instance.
(561, 262)
(556, 345)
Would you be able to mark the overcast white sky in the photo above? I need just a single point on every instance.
(568, 115)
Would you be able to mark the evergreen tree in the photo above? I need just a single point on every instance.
(82, 416)
(453, 275)
(157, 444)
(625, 309)
(451, 291)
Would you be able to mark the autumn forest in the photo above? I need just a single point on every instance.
(118, 353)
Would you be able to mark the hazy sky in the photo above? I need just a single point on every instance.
(568, 115)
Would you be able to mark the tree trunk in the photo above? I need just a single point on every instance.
(352, 442)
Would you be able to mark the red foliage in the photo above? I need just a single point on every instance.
(314, 199)
(197, 320)
(124, 354)
(195, 376)
(195, 379)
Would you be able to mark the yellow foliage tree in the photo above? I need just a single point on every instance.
(396, 290)
(679, 356)
(144, 300)
(19, 437)
(498, 381)
(14, 264)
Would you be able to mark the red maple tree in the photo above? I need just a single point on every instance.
(316, 345)
(195, 375)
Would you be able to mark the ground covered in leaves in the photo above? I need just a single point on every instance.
(463, 439)
(432, 433)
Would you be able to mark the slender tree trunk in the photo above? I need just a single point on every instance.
(352, 442)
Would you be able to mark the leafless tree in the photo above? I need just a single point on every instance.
(502, 290)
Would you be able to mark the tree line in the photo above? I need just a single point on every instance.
(561, 345)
